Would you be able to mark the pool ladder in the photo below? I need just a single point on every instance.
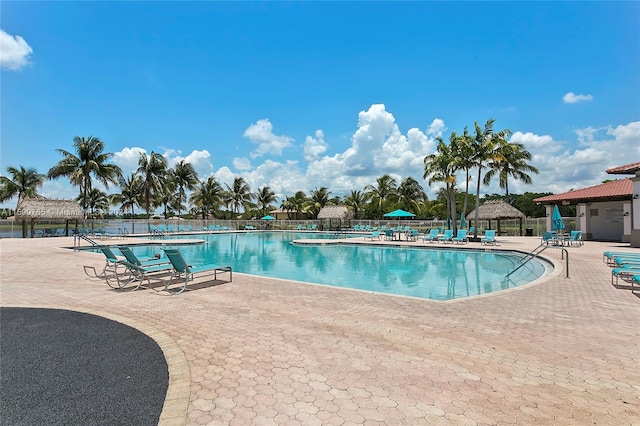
(536, 251)
(78, 237)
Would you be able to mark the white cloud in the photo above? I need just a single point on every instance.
(572, 98)
(14, 52)
(127, 159)
(436, 128)
(241, 163)
(562, 169)
(261, 133)
(314, 147)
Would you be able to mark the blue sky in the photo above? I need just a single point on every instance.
(302, 95)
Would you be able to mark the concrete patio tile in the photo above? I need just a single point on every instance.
(263, 351)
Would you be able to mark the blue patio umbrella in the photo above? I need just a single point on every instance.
(556, 219)
(399, 213)
(268, 217)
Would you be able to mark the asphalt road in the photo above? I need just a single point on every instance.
(59, 367)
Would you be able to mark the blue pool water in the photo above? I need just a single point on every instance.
(438, 273)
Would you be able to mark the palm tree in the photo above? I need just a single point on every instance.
(153, 170)
(295, 203)
(484, 147)
(239, 195)
(23, 183)
(208, 196)
(441, 167)
(185, 178)
(167, 195)
(410, 195)
(384, 190)
(512, 161)
(96, 200)
(318, 199)
(265, 198)
(356, 200)
(88, 162)
(129, 196)
(464, 154)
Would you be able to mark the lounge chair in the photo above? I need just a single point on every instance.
(132, 258)
(489, 238)
(412, 235)
(431, 236)
(461, 237)
(189, 228)
(375, 235)
(626, 272)
(110, 267)
(447, 236)
(549, 237)
(180, 267)
(180, 228)
(139, 273)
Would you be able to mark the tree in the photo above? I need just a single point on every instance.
(464, 155)
(441, 167)
(295, 203)
(356, 200)
(410, 195)
(24, 182)
(239, 195)
(87, 163)
(129, 197)
(383, 191)
(318, 199)
(511, 161)
(186, 178)
(96, 201)
(208, 196)
(484, 149)
(153, 170)
(265, 198)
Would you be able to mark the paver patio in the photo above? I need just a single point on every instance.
(266, 351)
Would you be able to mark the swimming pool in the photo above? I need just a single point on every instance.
(431, 273)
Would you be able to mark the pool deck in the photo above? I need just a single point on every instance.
(266, 351)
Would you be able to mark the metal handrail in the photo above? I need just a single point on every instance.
(536, 251)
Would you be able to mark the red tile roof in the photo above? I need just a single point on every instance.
(627, 169)
(621, 189)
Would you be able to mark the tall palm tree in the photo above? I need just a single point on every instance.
(512, 161)
(441, 167)
(167, 195)
(96, 201)
(186, 178)
(129, 196)
(484, 146)
(87, 163)
(208, 196)
(318, 199)
(464, 154)
(24, 182)
(239, 195)
(385, 189)
(356, 200)
(153, 170)
(410, 195)
(265, 198)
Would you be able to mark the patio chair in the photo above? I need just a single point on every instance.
(132, 258)
(461, 237)
(447, 236)
(412, 235)
(139, 273)
(431, 236)
(180, 267)
(549, 237)
(575, 237)
(489, 238)
(375, 235)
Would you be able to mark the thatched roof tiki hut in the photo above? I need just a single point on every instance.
(33, 209)
(496, 210)
(335, 214)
